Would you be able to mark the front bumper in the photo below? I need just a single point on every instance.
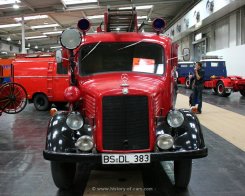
(97, 157)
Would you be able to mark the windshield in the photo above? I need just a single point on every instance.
(130, 56)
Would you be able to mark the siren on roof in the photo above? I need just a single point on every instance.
(83, 25)
(158, 25)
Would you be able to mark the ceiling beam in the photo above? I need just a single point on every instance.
(141, 2)
(56, 21)
(28, 5)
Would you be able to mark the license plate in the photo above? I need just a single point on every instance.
(125, 158)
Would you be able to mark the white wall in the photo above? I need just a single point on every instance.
(235, 59)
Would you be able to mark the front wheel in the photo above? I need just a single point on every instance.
(41, 102)
(63, 174)
(182, 173)
(242, 92)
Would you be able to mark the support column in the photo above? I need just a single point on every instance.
(23, 44)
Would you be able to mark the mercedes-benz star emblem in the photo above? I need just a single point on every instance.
(124, 78)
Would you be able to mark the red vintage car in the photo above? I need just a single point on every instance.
(121, 106)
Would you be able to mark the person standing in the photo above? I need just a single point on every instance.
(198, 85)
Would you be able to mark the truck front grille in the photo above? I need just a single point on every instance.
(125, 123)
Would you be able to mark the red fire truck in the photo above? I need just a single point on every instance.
(43, 78)
(121, 98)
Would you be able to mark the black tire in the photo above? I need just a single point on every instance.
(187, 83)
(182, 173)
(242, 92)
(63, 174)
(41, 102)
(220, 88)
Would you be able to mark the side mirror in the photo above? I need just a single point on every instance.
(186, 54)
(58, 56)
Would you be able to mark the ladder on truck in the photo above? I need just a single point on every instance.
(121, 20)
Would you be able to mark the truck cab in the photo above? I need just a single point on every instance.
(214, 67)
(121, 110)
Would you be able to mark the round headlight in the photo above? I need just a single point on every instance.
(165, 141)
(175, 118)
(85, 143)
(70, 39)
(74, 121)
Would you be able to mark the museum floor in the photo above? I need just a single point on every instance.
(24, 172)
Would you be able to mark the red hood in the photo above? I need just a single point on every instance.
(112, 84)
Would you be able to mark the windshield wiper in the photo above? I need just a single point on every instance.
(133, 44)
(91, 50)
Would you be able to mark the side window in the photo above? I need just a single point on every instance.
(61, 69)
(183, 65)
(204, 64)
(214, 64)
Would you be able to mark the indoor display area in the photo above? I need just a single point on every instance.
(122, 97)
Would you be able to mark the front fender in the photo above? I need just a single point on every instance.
(60, 138)
(189, 135)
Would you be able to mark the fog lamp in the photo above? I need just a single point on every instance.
(165, 141)
(74, 121)
(175, 118)
(85, 143)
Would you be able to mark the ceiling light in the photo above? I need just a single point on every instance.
(8, 38)
(31, 18)
(29, 45)
(73, 2)
(52, 32)
(53, 47)
(7, 2)
(16, 6)
(9, 25)
(36, 46)
(141, 17)
(36, 37)
(143, 7)
(95, 17)
(44, 26)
